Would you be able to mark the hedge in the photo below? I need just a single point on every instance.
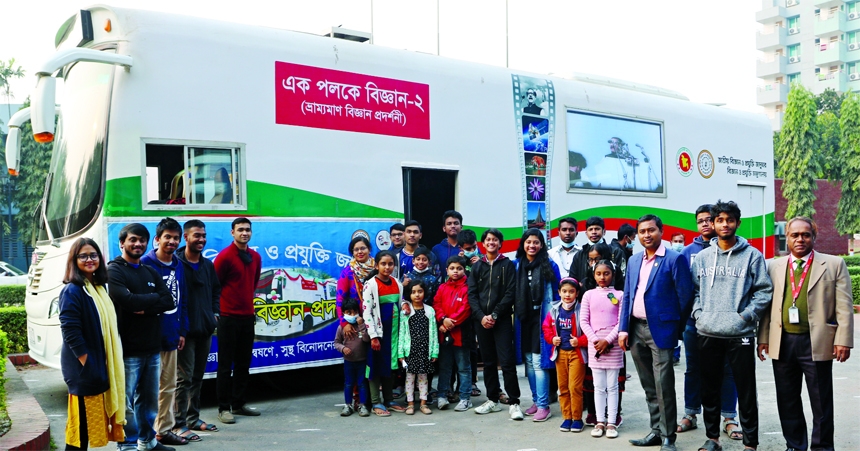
(13, 320)
(854, 270)
(12, 294)
(851, 260)
(855, 289)
(4, 351)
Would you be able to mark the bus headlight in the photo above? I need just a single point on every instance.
(54, 308)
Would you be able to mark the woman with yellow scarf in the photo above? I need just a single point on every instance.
(91, 356)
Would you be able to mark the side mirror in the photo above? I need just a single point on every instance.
(13, 140)
(43, 108)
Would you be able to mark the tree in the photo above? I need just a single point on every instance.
(848, 211)
(7, 73)
(30, 184)
(799, 139)
(827, 160)
(829, 100)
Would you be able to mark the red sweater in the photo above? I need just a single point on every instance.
(238, 281)
(452, 301)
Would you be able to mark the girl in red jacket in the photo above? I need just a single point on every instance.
(453, 316)
(561, 329)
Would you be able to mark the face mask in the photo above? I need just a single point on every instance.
(567, 306)
(470, 254)
(677, 247)
(567, 245)
(350, 318)
(630, 245)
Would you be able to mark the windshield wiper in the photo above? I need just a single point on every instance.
(44, 216)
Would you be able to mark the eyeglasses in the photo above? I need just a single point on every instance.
(84, 257)
(702, 221)
(360, 249)
(593, 260)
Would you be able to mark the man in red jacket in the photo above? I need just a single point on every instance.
(238, 269)
(455, 332)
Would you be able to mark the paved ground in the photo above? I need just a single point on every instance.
(299, 411)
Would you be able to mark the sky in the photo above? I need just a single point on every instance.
(703, 50)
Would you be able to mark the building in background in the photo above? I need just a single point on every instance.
(813, 42)
(827, 197)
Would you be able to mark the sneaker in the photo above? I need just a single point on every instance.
(531, 410)
(226, 417)
(618, 420)
(516, 413)
(362, 411)
(542, 414)
(611, 431)
(488, 407)
(577, 426)
(565, 425)
(346, 411)
(590, 419)
(442, 403)
(247, 411)
(463, 405)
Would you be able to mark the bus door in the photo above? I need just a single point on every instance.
(751, 202)
(427, 193)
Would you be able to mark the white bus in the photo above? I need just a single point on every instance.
(318, 138)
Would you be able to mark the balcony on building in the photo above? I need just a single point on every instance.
(826, 23)
(837, 81)
(776, 119)
(771, 11)
(853, 52)
(770, 37)
(827, 3)
(771, 94)
(770, 66)
(829, 53)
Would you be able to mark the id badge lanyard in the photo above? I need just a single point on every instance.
(793, 313)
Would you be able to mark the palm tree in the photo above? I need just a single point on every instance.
(7, 73)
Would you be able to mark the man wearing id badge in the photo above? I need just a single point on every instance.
(809, 324)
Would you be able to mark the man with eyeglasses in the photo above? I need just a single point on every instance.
(140, 296)
(531, 107)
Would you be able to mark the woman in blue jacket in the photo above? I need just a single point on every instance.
(91, 355)
(537, 289)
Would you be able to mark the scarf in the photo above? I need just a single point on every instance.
(361, 270)
(530, 282)
(115, 396)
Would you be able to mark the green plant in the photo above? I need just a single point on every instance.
(12, 295)
(4, 351)
(13, 320)
(851, 260)
(855, 289)
(854, 270)
(798, 141)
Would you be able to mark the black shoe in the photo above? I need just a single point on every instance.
(651, 439)
(244, 410)
(160, 447)
(667, 445)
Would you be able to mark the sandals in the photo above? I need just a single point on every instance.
(475, 391)
(410, 410)
(381, 411)
(393, 406)
(598, 430)
(171, 438)
(201, 425)
(503, 398)
(710, 445)
(688, 423)
(187, 434)
(425, 409)
(735, 433)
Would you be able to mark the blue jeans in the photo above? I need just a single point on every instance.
(538, 380)
(449, 356)
(353, 374)
(693, 381)
(142, 375)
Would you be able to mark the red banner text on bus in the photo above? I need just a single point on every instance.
(310, 96)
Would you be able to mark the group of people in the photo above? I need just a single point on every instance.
(137, 332)
(576, 311)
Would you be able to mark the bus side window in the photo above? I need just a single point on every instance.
(213, 177)
(164, 169)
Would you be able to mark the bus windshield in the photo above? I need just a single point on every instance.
(75, 180)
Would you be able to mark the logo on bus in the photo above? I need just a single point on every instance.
(705, 162)
(684, 162)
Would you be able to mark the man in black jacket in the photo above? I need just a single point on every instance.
(492, 286)
(204, 291)
(140, 297)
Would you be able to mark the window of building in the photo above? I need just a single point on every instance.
(793, 22)
(834, 39)
(852, 37)
(778, 52)
(852, 68)
(779, 107)
(793, 78)
(206, 176)
(779, 235)
(794, 50)
(833, 69)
